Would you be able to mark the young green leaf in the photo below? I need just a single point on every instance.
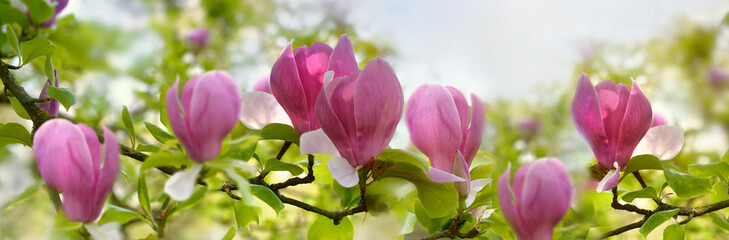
(641, 162)
(118, 214)
(438, 199)
(12, 39)
(39, 10)
(267, 196)
(158, 133)
(10, 14)
(655, 220)
(398, 155)
(718, 169)
(324, 229)
(276, 165)
(686, 186)
(128, 124)
(674, 232)
(22, 197)
(230, 234)
(48, 69)
(280, 131)
(63, 95)
(648, 192)
(165, 158)
(14, 133)
(35, 48)
(143, 193)
(18, 108)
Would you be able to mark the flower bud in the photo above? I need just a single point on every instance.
(70, 159)
(51, 106)
(198, 37)
(205, 113)
(536, 199)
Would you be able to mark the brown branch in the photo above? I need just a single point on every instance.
(453, 231)
(625, 228)
(640, 179)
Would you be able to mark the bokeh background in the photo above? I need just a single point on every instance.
(522, 57)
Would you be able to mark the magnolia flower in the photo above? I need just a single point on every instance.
(613, 119)
(206, 113)
(263, 85)
(71, 159)
(51, 106)
(717, 76)
(529, 127)
(438, 120)
(198, 37)
(537, 198)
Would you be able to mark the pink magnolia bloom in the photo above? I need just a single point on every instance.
(717, 76)
(359, 112)
(530, 127)
(537, 198)
(658, 120)
(70, 159)
(263, 85)
(206, 114)
(296, 79)
(51, 106)
(438, 120)
(198, 37)
(613, 119)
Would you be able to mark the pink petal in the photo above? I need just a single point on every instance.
(178, 122)
(378, 104)
(434, 125)
(51, 107)
(92, 140)
(588, 120)
(79, 206)
(259, 109)
(342, 102)
(263, 85)
(342, 60)
(109, 169)
(441, 176)
(613, 101)
(461, 169)
(658, 120)
(610, 180)
(462, 107)
(506, 202)
(317, 142)
(64, 160)
(547, 183)
(287, 88)
(330, 123)
(345, 174)
(475, 130)
(637, 121)
(664, 142)
(214, 111)
(312, 63)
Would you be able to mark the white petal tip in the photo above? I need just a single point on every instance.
(345, 174)
(109, 231)
(441, 176)
(260, 109)
(664, 142)
(610, 181)
(180, 186)
(317, 142)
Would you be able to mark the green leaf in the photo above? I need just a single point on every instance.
(276, 165)
(158, 133)
(686, 186)
(14, 133)
(281, 132)
(48, 69)
(165, 158)
(63, 95)
(197, 196)
(409, 224)
(245, 214)
(719, 169)
(267, 196)
(163, 118)
(147, 148)
(35, 48)
(726, 157)
(648, 192)
(719, 192)
(9, 14)
(128, 124)
(236, 152)
(40, 11)
(438, 199)
(18, 108)
(655, 220)
(118, 214)
(324, 229)
(641, 162)
(22, 197)
(398, 155)
(244, 188)
(674, 232)
(481, 171)
(230, 234)
(143, 193)
(12, 38)
(719, 221)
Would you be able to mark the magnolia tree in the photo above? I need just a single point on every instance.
(306, 152)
